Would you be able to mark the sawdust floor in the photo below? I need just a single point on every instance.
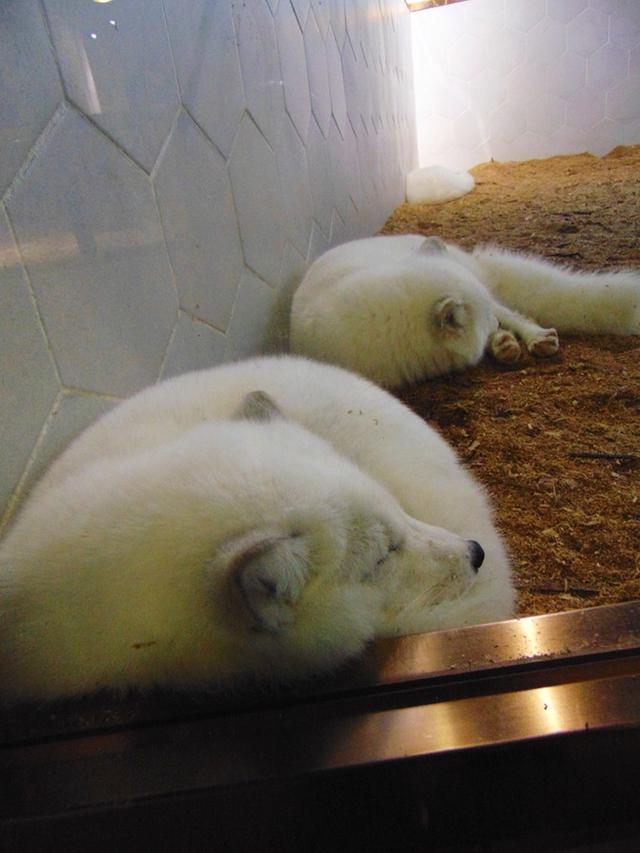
(555, 441)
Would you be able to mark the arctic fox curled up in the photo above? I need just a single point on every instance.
(404, 308)
(259, 520)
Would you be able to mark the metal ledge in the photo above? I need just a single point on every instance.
(416, 698)
(455, 663)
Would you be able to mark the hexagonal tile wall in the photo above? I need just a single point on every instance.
(260, 64)
(90, 236)
(28, 378)
(208, 66)
(318, 75)
(31, 87)
(169, 169)
(193, 346)
(295, 189)
(256, 190)
(563, 79)
(129, 92)
(200, 224)
(292, 60)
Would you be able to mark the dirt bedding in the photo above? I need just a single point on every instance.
(555, 441)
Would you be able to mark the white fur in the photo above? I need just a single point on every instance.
(403, 308)
(437, 184)
(194, 537)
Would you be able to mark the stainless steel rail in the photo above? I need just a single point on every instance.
(415, 699)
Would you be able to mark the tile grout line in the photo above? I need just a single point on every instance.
(56, 118)
(32, 295)
(18, 493)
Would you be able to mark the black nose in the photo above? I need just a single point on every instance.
(476, 554)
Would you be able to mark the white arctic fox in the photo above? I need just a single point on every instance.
(205, 531)
(400, 309)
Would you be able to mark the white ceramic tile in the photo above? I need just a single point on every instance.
(607, 66)
(294, 68)
(567, 140)
(200, 225)
(506, 52)
(450, 99)
(630, 132)
(254, 305)
(260, 65)
(587, 32)
(322, 12)
(545, 41)
(611, 7)
(339, 232)
(354, 86)
(527, 82)
(117, 68)
(318, 74)
(71, 414)
(320, 176)
(623, 100)
(338, 20)
(340, 168)
(294, 266)
(28, 381)
(256, 190)
(193, 346)
(354, 181)
(301, 8)
(529, 145)
(556, 88)
(488, 90)
(604, 136)
(208, 67)
(295, 190)
(565, 10)
(524, 14)
(566, 75)
(470, 130)
(436, 135)
(30, 88)
(585, 108)
(546, 115)
(625, 30)
(467, 57)
(318, 244)
(91, 240)
(489, 12)
(336, 83)
(508, 122)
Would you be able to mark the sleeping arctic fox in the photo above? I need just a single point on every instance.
(204, 532)
(400, 309)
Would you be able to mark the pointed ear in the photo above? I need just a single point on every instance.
(258, 406)
(269, 572)
(432, 246)
(450, 314)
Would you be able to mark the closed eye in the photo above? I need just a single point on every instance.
(394, 546)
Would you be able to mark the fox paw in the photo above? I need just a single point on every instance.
(544, 344)
(505, 347)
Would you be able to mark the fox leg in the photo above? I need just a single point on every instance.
(539, 342)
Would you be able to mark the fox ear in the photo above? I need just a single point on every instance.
(450, 314)
(258, 406)
(432, 246)
(269, 572)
